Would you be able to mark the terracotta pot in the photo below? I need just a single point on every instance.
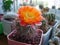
(14, 42)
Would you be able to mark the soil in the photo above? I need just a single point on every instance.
(52, 23)
(33, 41)
(45, 29)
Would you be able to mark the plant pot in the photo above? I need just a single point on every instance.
(54, 28)
(56, 24)
(1, 28)
(13, 42)
(46, 37)
(7, 25)
(56, 37)
(8, 22)
(49, 33)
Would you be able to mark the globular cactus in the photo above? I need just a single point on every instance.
(45, 16)
(44, 26)
(53, 7)
(24, 29)
(27, 34)
(45, 10)
(41, 6)
(51, 18)
(44, 23)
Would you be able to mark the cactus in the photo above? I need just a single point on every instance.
(7, 5)
(27, 34)
(45, 15)
(45, 10)
(24, 29)
(53, 7)
(41, 6)
(44, 26)
(51, 18)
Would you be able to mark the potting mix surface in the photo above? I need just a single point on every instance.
(3, 40)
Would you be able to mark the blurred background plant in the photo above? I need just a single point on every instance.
(7, 5)
(53, 7)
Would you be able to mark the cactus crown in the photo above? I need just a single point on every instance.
(44, 26)
(51, 17)
(44, 23)
(41, 6)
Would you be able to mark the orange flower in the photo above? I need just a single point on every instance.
(29, 15)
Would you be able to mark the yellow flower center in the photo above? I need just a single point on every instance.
(29, 15)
